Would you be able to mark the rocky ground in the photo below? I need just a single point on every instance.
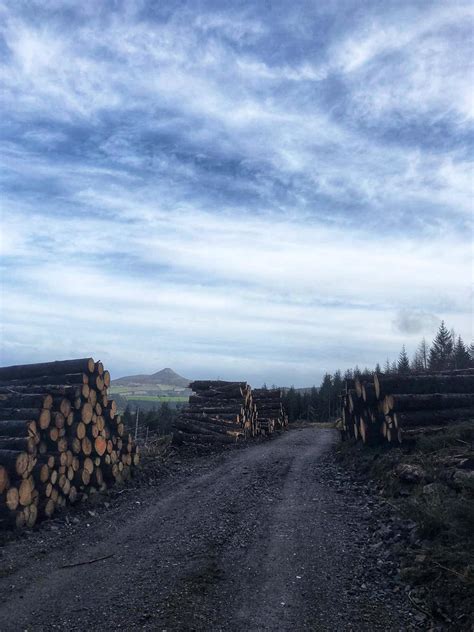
(422, 498)
(275, 536)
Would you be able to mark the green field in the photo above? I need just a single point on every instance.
(119, 390)
(155, 398)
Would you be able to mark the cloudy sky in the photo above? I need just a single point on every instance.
(250, 190)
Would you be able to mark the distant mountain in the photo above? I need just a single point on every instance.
(167, 377)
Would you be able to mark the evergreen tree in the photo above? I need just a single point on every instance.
(337, 389)
(394, 368)
(291, 404)
(441, 352)
(314, 404)
(349, 374)
(165, 417)
(387, 367)
(403, 365)
(378, 368)
(127, 418)
(417, 363)
(325, 396)
(471, 353)
(420, 359)
(461, 357)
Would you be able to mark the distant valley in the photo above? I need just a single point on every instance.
(150, 390)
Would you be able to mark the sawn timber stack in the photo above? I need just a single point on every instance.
(60, 438)
(218, 412)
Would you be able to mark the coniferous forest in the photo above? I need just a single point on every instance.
(447, 351)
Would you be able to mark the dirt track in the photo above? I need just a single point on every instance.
(253, 539)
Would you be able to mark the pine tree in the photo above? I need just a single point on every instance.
(403, 365)
(441, 352)
(387, 367)
(325, 394)
(394, 368)
(417, 362)
(471, 353)
(378, 368)
(420, 359)
(461, 357)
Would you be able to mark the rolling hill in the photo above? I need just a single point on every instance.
(165, 377)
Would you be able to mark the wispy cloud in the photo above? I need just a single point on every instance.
(179, 190)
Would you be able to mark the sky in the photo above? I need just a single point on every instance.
(261, 191)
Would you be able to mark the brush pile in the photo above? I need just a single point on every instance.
(60, 438)
(396, 408)
(271, 415)
(218, 412)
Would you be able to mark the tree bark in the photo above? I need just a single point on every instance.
(403, 403)
(423, 384)
(433, 417)
(61, 367)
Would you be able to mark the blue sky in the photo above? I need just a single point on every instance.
(251, 190)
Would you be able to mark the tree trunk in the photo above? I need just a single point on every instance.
(402, 403)
(433, 417)
(18, 428)
(423, 384)
(19, 444)
(14, 461)
(43, 416)
(62, 367)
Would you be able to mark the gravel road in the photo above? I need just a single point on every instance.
(253, 539)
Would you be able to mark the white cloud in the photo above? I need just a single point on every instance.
(211, 209)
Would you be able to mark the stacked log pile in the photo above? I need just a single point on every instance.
(394, 408)
(271, 415)
(60, 438)
(218, 412)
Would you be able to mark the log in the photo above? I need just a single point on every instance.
(433, 417)
(195, 416)
(61, 367)
(100, 446)
(180, 437)
(436, 401)
(20, 444)
(14, 461)
(35, 389)
(27, 400)
(24, 491)
(15, 519)
(413, 384)
(42, 416)
(18, 428)
(4, 479)
(87, 411)
(198, 428)
(222, 385)
(46, 508)
(10, 499)
(216, 410)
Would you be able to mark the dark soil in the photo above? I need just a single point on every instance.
(425, 517)
(270, 537)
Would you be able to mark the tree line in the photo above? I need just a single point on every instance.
(154, 420)
(447, 351)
